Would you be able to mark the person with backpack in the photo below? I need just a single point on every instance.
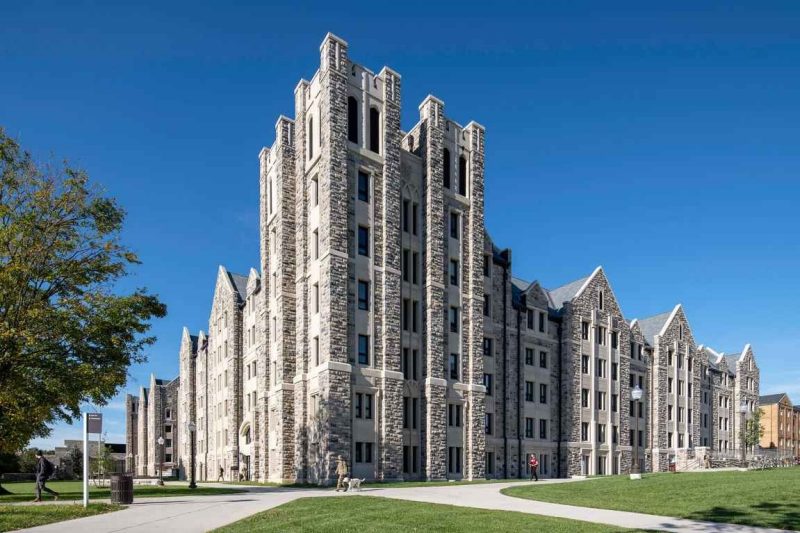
(534, 464)
(44, 469)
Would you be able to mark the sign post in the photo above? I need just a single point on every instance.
(92, 423)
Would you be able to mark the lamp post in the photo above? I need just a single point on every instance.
(161, 463)
(192, 427)
(743, 412)
(636, 394)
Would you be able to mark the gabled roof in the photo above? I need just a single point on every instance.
(653, 325)
(566, 293)
(240, 284)
(732, 359)
(770, 399)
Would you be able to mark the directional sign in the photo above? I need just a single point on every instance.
(95, 423)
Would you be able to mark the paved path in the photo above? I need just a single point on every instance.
(203, 513)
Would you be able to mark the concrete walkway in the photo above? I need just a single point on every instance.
(204, 513)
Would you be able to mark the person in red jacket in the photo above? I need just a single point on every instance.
(534, 464)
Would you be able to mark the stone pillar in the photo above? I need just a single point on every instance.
(434, 405)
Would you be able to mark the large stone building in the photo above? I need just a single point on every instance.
(385, 325)
(151, 415)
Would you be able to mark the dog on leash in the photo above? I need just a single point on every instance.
(353, 484)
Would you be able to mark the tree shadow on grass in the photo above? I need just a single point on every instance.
(765, 514)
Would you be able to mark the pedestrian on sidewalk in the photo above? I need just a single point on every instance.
(341, 472)
(44, 469)
(221, 474)
(534, 464)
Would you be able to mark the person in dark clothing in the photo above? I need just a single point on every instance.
(44, 469)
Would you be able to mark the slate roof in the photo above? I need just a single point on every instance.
(240, 284)
(731, 359)
(565, 293)
(770, 399)
(518, 286)
(652, 326)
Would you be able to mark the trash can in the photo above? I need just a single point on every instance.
(121, 488)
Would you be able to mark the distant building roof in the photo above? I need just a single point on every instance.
(770, 399)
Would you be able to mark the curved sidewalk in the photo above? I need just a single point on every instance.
(203, 513)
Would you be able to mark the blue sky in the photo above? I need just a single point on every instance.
(657, 139)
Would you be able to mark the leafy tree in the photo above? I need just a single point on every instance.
(753, 430)
(27, 460)
(76, 461)
(66, 335)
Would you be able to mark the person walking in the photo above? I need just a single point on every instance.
(341, 472)
(221, 474)
(44, 469)
(534, 464)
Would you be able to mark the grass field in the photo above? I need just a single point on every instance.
(73, 490)
(769, 498)
(22, 516)
(366, 513)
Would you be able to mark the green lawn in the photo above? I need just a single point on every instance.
(769, 498)
(22, 516)
(367, 513)
(73, 490)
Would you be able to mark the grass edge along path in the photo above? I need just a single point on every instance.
(73, 491)
(372, 513)
(769, 498)
(23, 516)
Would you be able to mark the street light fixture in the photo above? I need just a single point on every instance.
(636, 472)
(161, 463)
(192, 427)
(743, 411)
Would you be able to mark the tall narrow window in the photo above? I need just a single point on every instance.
(454, 222)
(363, 349)
(374, 130)
(462, 175)
(446, 168)
(363, 186)
(314, 191)
(363, 241)
(315, 244)
(352, 119)
(311, 137)
(363, 295)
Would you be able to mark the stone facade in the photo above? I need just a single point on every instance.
(385, 326)
(151, 415)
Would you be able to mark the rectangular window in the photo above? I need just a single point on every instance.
(542, 359)
(314, 193)
(454, 366)
(315, 244)
(405, 214)
(601, 400)
(454, 272)
(487, 382)
(541, 323)
(363, 186)
(542, 428)
(363, 349)
(585, 431)
(359, 405)
(529, 317)
(614, 340)
(600, 367)
(368, 406)
(316, 350)
(585, 331)
(315, 298)
(529, 428)
(415, 316)
(528, 356)
(614, 403)
(487, 305)
(529, 391)
(585, 364)
(487, 423)
(415, 268)
(542, 393)
(600, 335)
(454, 320)
(405, 266)
(363, 295)
(454, 229)
(363, 241)
(487, 261)
(614, 371)
(584, 397)
(601, 432)
(487, 347)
